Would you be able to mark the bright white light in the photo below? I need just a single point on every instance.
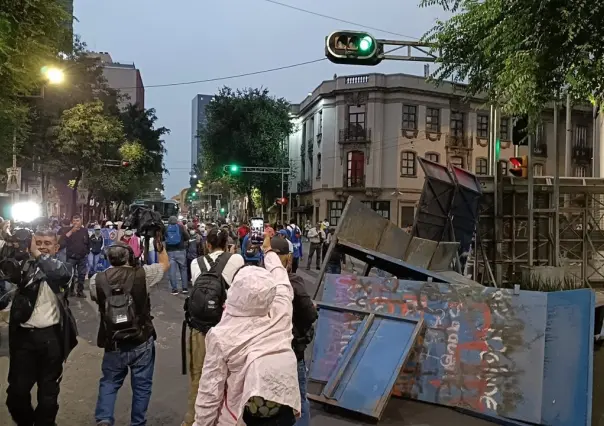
(26, 212)
(55, 75)
(194, 176)
(180, 217)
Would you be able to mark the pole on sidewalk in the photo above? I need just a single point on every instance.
(531, 189)
(556, 200)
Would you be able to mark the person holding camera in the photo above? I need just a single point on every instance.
(126, 330)
(77, 245)
(42, 330)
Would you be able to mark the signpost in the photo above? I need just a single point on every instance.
(13, 182)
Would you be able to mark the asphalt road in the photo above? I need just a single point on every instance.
(82, 372)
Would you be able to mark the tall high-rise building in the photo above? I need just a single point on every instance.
(198, 121)
(125, 78)
(68, 42)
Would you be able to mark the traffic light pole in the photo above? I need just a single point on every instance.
(531, 191)
(266, 170)
(556, 197)
(410, 45)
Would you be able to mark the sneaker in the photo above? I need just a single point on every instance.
(185, 291)
(174, 292)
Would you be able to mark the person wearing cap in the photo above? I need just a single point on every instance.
(250, 370)
(304, 316)
(282, 233)
(97, 243)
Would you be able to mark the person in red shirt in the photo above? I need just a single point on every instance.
(242, 232)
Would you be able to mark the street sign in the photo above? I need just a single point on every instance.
(13, 183)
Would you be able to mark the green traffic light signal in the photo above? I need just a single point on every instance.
(353, 48)
(234, 168)
(222, 210)
(497, 148)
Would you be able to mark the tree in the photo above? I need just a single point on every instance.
(86, 137)
(522, 53)
(248, 128)
(32, 33)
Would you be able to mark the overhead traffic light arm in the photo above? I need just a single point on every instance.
(361, 48)
(264, 170)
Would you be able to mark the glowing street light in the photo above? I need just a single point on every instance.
(53, 75)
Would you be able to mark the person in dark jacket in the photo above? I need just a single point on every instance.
(337, 258)
(77, 245)
(96, 249)
(42, 333)
(304, 317)
(177, 238)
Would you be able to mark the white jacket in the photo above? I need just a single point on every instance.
(249, 353)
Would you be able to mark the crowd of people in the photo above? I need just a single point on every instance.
(246, 323)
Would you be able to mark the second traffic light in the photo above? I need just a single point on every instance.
(519, 166)
(353, 48)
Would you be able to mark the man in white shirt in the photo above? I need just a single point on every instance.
(316, 237)
(42, 333)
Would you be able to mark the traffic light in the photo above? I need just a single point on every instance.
(519, 130)
(222, 210)
(125, 163)
(281, 201)
(353, 48)
(234, 168)
(519, 166)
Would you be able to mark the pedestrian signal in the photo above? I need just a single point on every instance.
(519, 166)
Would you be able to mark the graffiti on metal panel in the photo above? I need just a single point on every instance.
(463, 359)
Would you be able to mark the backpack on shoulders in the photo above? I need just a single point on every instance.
(173, 235)
(205, 304)
(120, 319)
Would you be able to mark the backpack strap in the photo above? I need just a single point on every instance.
(221, 262)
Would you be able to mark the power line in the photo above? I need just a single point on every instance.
(310, 12)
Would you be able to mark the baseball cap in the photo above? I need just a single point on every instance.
(282, 232)
(280, 245)
(97, 227)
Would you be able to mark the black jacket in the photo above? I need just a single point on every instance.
(78, 245)
(58, 276)
(304, 316)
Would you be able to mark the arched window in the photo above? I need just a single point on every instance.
(481, 166)
(355, 172)
(433, 156)
(408, 164)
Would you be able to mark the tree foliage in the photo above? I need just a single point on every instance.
(522, 53)
(248, 128)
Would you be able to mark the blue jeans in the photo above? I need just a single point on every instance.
(93, 260)
(333, 268)
(80, 266)
(178, 263)
(141, 362)
(304, 419)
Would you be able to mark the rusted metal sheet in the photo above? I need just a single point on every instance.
(487, 350)
(364, 375)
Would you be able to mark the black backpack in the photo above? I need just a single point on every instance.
(120, 318)
(205, 304)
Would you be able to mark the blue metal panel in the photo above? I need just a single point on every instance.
(484, 348)
(568, 365)
(365, 374)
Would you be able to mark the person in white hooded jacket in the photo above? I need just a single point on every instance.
(250, 372)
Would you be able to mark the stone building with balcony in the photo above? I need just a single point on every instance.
(361, 135)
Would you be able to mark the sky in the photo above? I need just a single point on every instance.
(181, 41)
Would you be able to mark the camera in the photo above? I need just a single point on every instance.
(148, 223)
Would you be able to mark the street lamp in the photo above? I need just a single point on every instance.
(53, 75)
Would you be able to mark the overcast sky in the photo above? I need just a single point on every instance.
(186, 40)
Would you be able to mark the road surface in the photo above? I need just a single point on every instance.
(82, 372)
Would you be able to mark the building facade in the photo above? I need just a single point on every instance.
(198, 121)
(361, 135)
(125, 78)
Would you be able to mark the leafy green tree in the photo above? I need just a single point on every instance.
(247, 128)
(32, 32)
(86, 138)
(522, 53)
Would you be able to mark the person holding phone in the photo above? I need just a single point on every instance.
(77, 245)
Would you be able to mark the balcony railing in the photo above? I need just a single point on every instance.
(354, 182)
(454, 141)
(540, 150)
(305, 185)
(355, 134)
(582, 154)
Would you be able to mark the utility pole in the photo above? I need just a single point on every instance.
(556, 200)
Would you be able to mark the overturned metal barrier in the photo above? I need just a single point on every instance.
(510, 356)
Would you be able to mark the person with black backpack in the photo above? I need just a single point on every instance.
(211, 275)
(126, 330)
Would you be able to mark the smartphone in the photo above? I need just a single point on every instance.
(256, 230)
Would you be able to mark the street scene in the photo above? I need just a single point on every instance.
(398, 222)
